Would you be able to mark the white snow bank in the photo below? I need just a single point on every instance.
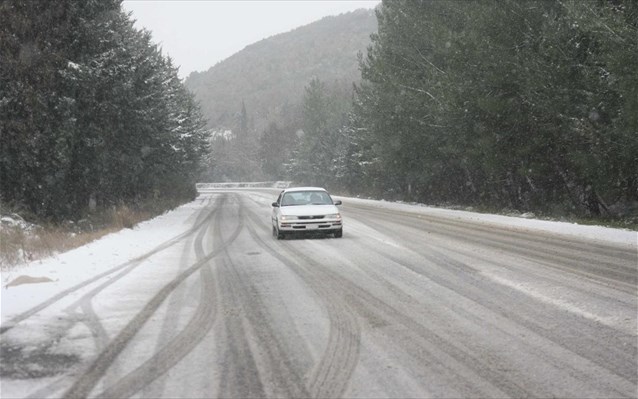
(80, 264)
(598, 233)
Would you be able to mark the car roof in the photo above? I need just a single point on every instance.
(293, 189)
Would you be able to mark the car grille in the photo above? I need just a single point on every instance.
(310, 217)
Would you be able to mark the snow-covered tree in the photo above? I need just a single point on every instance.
(90, 111)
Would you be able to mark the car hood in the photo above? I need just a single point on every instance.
(308, 210)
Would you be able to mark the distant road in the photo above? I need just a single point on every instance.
(404, 305)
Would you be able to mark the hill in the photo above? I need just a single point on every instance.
(269, 76)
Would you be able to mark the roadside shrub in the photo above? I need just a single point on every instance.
(22, 242)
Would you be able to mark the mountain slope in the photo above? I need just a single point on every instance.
(269, 76)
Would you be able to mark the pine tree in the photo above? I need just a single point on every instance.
(91, 112)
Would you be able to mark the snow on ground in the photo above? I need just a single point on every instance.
(70, 268)
(46, 277)
(599, 233)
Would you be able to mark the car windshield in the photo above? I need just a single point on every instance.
(306, 198)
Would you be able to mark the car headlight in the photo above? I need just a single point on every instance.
(287, 217)
(334, 216)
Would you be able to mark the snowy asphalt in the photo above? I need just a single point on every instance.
(411, 302)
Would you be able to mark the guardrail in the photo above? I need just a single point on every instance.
(261, 184)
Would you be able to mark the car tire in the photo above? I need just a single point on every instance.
(338, 233)
(277, 233)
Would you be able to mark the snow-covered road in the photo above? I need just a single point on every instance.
(411, 302)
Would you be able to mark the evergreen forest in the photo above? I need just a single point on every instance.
(528, 105)
(497, 105)
(92, 114)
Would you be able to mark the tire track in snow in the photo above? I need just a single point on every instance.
(581, 337)
(332, 373)
(129, 265)
(195, 331)
(170, 354)
(178, 301)
(428, 342)
(609, 263)
(268, 359)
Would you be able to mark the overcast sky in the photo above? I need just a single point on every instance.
(199, 34)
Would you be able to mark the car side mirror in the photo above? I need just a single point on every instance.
(338, 202)
(276, 205)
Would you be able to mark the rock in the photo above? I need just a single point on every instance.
(28, 280)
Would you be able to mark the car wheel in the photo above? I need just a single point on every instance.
(277, 233)
(338, 233)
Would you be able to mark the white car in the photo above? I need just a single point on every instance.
(305, 209)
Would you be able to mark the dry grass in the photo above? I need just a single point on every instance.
(19, 246)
